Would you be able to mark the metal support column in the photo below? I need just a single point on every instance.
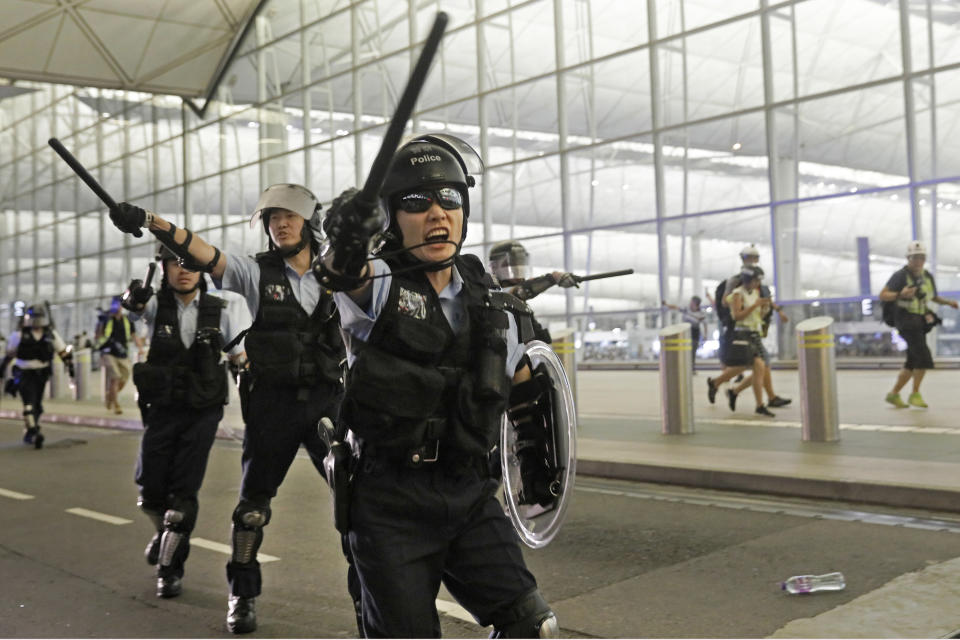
(909, 113)
(663, 280)
(562, 130)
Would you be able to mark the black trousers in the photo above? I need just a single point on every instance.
(279, 420)
(918, 353)
(415, 528)
(33, 382)
(172, 462)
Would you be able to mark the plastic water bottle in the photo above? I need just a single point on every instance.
(811, 584)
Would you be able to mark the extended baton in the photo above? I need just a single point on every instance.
(391, 140)
(81, 171)
(607, 274)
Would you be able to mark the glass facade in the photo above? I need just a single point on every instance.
(657, 135)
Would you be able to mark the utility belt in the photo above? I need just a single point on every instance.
(431, 454)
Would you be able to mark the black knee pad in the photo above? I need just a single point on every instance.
(249, 519)
(154, 508)
(528, 617)
(181, 514)
(251, 514)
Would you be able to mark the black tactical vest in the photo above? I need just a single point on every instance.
(176, 375)
(414, 381)
(286, 346)
(32, 349)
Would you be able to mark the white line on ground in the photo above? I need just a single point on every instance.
(16, 495)
(454, 610)
(888, 428)
(96, 515)
(226, 549)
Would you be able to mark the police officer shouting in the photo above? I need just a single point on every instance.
(294, 348)
(182, 389)
(33, 347)
(428, 381)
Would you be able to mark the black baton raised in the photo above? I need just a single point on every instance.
(391, 140)
(81, 171)
(607, 274)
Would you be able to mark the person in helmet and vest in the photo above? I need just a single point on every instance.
(294, 349)
(509, 261)
(182, 388)
(912, 288)
(113, 343)
(432, 354)
(32, 350)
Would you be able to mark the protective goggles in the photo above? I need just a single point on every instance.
(419, 201)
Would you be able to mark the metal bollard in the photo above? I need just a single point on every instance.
(58, 380)
(676, 384)
(818, 380)
(82, 360)
(564, 346)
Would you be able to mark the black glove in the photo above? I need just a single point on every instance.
(135, 296)
(128, 218)
(349, 225)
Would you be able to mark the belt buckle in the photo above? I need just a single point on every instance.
(419, 454)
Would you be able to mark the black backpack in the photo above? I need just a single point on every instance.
(723, 311)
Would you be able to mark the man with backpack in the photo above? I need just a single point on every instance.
(905, 300)
(750, 258)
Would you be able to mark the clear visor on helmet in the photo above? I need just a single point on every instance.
(513, 265)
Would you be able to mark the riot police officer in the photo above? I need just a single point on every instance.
(294, 349)
(510, 262)
(182, 388)
(33, 348)
(428, 380)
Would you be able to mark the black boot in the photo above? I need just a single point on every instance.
(169, 587)
(30, 434)
(38, 440)
(241, 615)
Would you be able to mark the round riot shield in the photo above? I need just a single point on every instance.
(538, 520)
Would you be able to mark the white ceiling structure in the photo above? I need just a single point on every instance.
(157, 46)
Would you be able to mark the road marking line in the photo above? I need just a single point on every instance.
(454, 610)
(226, 549)
(96, 515)
(886, 428)
(16, 495)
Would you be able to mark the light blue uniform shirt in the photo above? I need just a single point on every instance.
(357, 323)
(242, 275)
(233, 319)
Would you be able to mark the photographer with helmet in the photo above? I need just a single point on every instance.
(294, 350)
(182, 388)
(32, 349)
(912, 288)
(432, 352)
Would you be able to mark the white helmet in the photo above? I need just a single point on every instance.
(750, 251)
(292, 197)
(916, 248)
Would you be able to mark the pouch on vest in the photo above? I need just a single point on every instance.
(275, 356)
(153, 383)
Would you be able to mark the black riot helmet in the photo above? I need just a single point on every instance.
(164, 255)
(430, 160)
(35, 317)
(510, 262)
(299, 200)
